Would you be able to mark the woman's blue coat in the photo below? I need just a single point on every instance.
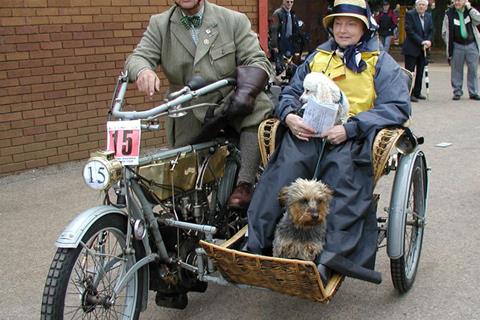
(351, 241)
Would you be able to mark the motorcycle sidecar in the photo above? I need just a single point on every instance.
(395, 151)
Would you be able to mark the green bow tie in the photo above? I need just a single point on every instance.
(191, 22)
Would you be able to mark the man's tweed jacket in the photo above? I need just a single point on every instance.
(225, 41)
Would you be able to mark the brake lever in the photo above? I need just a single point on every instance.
(150, 127)
(177, 94)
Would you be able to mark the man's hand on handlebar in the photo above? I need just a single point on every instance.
(148, 82)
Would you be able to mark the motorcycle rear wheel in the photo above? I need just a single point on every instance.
(80, 281)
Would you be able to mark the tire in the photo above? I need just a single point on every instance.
(404, 268)
(75, 288)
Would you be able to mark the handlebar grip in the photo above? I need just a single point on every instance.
(231, 81)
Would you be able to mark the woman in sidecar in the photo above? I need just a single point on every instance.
(378, 95)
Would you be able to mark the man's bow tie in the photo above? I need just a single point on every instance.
(191, 22)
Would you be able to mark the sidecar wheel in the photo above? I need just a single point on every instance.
(80, 281)
(404, 268)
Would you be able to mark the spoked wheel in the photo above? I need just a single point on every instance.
(404, 269)
(81, 281)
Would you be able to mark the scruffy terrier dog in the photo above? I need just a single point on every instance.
(300, 234)
(325, 91)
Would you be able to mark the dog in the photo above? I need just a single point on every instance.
(325, 91)
(300, 233)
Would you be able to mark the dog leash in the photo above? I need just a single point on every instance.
(320, 154)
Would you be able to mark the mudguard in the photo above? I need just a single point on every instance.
(399, 201)
(76, 229)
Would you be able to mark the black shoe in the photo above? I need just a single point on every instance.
(475, 97)
(413, 99)
(325, 274)
(456, 97)
(420, 97)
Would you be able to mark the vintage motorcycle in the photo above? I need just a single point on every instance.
(156, 209)
(164, 225)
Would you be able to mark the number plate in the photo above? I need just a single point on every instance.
(96, 175)
(123, 138)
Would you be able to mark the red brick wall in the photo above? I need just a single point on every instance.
(59, 60)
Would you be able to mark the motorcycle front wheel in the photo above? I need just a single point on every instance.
(81, 280)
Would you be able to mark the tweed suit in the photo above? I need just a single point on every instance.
(225, 41)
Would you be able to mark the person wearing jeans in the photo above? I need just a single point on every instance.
(387, 22)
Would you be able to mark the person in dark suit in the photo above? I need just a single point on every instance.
(419, 34)
(285, 35)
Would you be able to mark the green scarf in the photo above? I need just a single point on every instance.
(191, 22)
(463, 28)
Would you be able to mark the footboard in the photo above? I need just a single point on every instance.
(288, 276)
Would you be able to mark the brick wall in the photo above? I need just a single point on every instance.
(59, 61)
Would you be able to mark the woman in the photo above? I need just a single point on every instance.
(378, 95)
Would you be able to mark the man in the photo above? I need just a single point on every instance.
(387, 22)
(462, 39)
(195, 37)
(419, 33)
(284, 34)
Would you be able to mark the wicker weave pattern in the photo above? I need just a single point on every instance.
(382, 148)
(288, 276)
(267, 138)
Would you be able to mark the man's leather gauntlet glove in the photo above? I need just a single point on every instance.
(250, 82)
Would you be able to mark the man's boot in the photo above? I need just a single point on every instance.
(249, 163)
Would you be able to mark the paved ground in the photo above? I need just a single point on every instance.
(35, 206)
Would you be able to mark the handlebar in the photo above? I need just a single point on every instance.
(186, 95)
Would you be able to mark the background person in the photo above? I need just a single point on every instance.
(377, 91)
(195, 37)
(285, 35)
(419, 34)
(462, 39)
(387, 24)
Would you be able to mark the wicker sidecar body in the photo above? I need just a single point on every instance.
(395, 152)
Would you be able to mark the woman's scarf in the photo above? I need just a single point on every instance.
(352, 55)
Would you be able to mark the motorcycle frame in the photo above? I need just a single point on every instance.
(137, 205)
